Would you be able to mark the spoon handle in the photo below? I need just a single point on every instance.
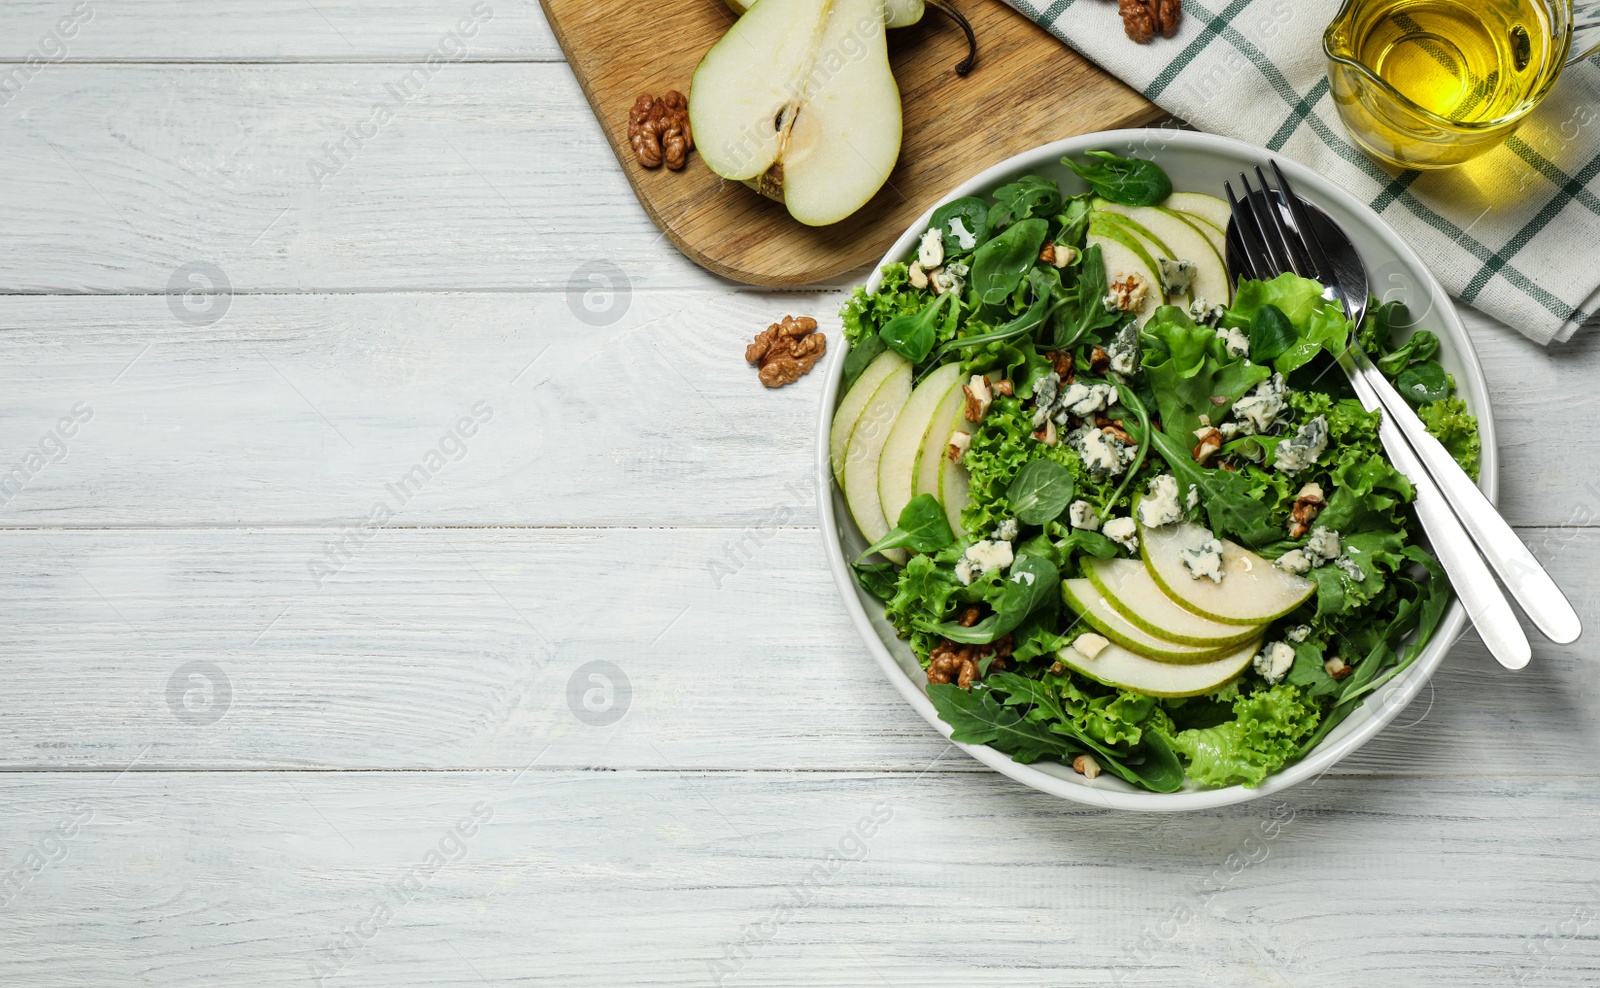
(1532, 587)
(1474, 586)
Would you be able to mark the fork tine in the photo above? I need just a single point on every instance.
(1252, 247)
(1294, 248)
(1322, 268)
(1271, 234)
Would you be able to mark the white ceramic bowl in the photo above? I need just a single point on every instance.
(1196, 163)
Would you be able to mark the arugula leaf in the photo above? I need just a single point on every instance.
(1424, 383)
(1271, 334)
(1000, 264)
(978, 717)
(1231, 504)
(1073, 221)
(1422, 345)
(912, 335)
(922, 527)
(1032, 582)
(1129, 181)
(972, 213)
(1041, 491)
(1083, 309)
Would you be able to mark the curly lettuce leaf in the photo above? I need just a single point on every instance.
(1448, 421)
(1264, 734)
(1320, 324)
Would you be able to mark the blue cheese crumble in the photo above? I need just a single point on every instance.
(1176, 276)
(1204, 560)
(1124, 351)
(1124, 532)
(966, 238)
(1234, 341)
(1081, 514)
(1273, 661)
(981, 557)
(1006, 531)
(1303, 448)
(1204, 312)
(1161, 505)
(1257, 412)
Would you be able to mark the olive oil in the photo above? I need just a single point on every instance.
(1464, 61)
(1472, 66)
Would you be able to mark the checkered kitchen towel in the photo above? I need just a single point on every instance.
(1517, 233)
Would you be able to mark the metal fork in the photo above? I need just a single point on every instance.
(1273, 243)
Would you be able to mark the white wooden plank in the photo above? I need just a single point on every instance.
(298, 409)
(449, 649)
(580, 878)
(315, 178)
(272, 31)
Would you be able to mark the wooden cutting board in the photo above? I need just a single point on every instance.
(1027, 89)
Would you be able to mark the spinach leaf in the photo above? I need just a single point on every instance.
(1422, 345)
(1000, 264)
(1028, 197)
(972, 213)
(1092, 543)
(1039, 493)
(922, 526)
(1271, 334)
(1129, 181)
(1032, 581)
(913, 334)
(1423, 383)
(877, 579)
(860, 355)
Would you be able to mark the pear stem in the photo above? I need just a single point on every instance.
(948, 9)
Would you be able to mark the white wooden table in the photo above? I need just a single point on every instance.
(267, 719)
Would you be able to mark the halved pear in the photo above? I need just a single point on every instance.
(798, 100)
(1164, 235)
(1126, 669)
(1124, 255)
(1128, 587)
(1089, 604)
(861, 457)
(1215, 211)
(855, 402)
(897, 466)
(1252, 591)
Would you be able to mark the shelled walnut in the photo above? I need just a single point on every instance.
(786, 351)
(1142, 20)
(658, 129)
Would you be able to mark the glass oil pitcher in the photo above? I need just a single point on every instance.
(1432, 83)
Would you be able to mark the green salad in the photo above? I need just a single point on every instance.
(1127, 512)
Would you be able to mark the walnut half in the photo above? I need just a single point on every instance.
(658, 130)
(786, 351)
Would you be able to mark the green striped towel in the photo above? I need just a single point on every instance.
(1516, 233)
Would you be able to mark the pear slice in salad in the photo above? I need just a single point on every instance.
(1210, 209)
(1116, 666)
(1124, 255)
(865, 449)
(1167, 236)
(897, 467)
(1128, 587)
(848, 414)
(1090, 605)
(1253, 591)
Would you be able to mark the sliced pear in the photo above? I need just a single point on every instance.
(947, 418)
(1215, 237)
(1089, 604)
(1124, 255)
(798, 100)
(1215, 211)
(954, 487)
(897, 466)
(1128, 587)
(1252, 591)
(861, 457)
(1167, 236)
(855, 402)
(1126, 669)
